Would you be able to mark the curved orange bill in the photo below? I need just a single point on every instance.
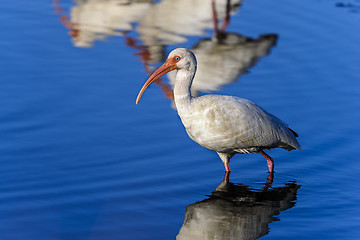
(168, 66)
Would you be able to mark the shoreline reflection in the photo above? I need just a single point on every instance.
(235, 211)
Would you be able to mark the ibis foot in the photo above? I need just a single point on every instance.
(270, 161)
(269, 181)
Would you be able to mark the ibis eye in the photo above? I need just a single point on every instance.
(177, 58)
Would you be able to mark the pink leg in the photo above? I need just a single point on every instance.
(270, 161)
(214, 17)
(227, 17)
(227, 167)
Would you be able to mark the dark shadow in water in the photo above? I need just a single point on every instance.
(235, 211)
(354, 6)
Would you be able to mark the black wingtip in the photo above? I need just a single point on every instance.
(295, 134)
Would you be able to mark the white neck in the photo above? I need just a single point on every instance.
(182, 93)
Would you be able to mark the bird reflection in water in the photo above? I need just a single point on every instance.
(95, 20)
(235, 211)
(92, 20)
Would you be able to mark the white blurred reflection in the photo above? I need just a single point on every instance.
(172, 21)
(94, 20)
(163, 23)
(98, 19)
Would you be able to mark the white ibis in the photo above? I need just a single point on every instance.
(225, 124)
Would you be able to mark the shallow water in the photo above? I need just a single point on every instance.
(79, 160)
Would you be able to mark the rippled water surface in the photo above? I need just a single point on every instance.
(79, 160)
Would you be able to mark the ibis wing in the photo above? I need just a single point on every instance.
(225, 122)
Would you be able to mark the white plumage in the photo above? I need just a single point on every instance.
(225, 124)
(232, 125)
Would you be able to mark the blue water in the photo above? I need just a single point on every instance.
(79, 160)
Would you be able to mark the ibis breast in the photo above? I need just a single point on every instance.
(229, 124)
